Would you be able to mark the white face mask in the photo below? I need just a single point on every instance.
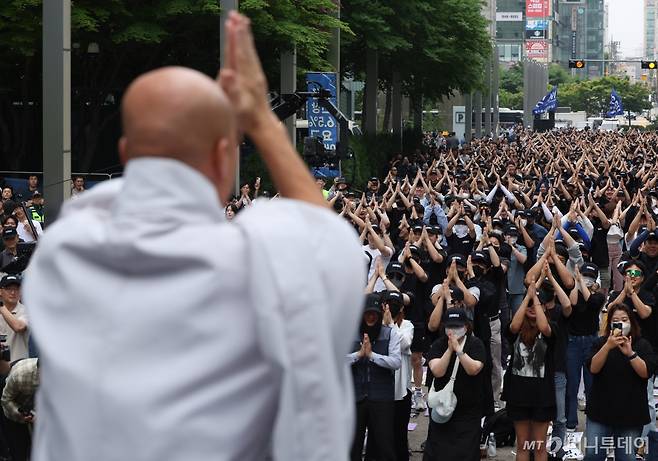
(513, 240)
(588, 281)
(524, 222)
(625, 328)
(461, 230)
(458, 333)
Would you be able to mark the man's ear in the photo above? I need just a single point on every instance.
(123, 150)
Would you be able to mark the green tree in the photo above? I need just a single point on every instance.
(511, 100)
(511, 79)
(593, 96)
(558, 75)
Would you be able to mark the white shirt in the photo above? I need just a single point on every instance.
(374, 254)
(403, 374)
(25, 235)
(18, 342)
(167, 332)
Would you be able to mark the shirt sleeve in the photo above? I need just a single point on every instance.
(9, 395)
(406, 332)
(393, 360)
(475, 291)
(475, 349)
(646, 353)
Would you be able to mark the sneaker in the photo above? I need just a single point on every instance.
(419, 401)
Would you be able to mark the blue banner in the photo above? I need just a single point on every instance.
(547, 104)
(616, 106)
(321, 124)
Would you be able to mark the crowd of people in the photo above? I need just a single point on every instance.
(502, 275)
(544, 247)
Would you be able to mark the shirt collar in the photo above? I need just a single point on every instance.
(167, 186)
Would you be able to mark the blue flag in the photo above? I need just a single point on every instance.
(547, 104)
(616, 107)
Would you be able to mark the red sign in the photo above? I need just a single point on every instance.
(537, 8)
(536, 49)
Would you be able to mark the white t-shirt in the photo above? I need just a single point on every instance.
(403, 374)
(17, 342)
(373, 254)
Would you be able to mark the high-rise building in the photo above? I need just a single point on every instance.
(650, 15)
(582, 29)
(527, 29)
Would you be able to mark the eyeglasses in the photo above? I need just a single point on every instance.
(634, 273)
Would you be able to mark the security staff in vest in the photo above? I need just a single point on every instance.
(375, 358)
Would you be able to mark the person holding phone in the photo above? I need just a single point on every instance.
(621, 363)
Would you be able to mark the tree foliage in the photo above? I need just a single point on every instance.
(593, 96)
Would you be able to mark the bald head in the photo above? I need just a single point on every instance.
(175, 112)
(182, 114)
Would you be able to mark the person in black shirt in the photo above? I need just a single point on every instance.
(621, 363)
(583, 331)
(457, 439)
(529, 385)
(599, 248)
(460, 232)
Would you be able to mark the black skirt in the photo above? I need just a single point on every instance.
(453, 441)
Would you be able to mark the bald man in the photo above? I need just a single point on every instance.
(167, 333)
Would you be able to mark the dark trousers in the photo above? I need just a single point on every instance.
(401, 427)
(378, 418)
(18, 439)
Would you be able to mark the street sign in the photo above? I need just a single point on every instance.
(321, 124)
(535, 34)
(536, 24)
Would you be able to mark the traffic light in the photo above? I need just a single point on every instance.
(576, 64)
(649, 65)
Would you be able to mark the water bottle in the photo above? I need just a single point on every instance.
(491, 446)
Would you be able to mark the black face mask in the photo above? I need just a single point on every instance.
(479, 271)
(373, 331)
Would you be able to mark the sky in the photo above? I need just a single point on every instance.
(626, 25)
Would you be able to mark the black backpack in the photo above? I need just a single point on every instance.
(502, 428)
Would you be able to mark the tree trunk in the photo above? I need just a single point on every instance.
(397, 108)
(386, 126)
(417, 102)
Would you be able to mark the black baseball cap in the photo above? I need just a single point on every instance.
(372, 303)
(414, 250)
(374, 178)
(653, 235)
(434, 230)
(481, 256)
(589, 270)
(9, 280)
(392, 297)
(460, 259)
(9, 232)
(512, 231)
(395, 267)
(461, 221)
(418, 229)
(455, 318)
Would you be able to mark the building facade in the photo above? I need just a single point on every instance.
(650, 16)
(582, 28)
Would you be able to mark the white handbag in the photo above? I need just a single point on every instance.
(444, 402)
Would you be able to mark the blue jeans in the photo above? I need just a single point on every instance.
(578, 351)
(560, 423)
(514, 302)
(651, 427)
(599, 437)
